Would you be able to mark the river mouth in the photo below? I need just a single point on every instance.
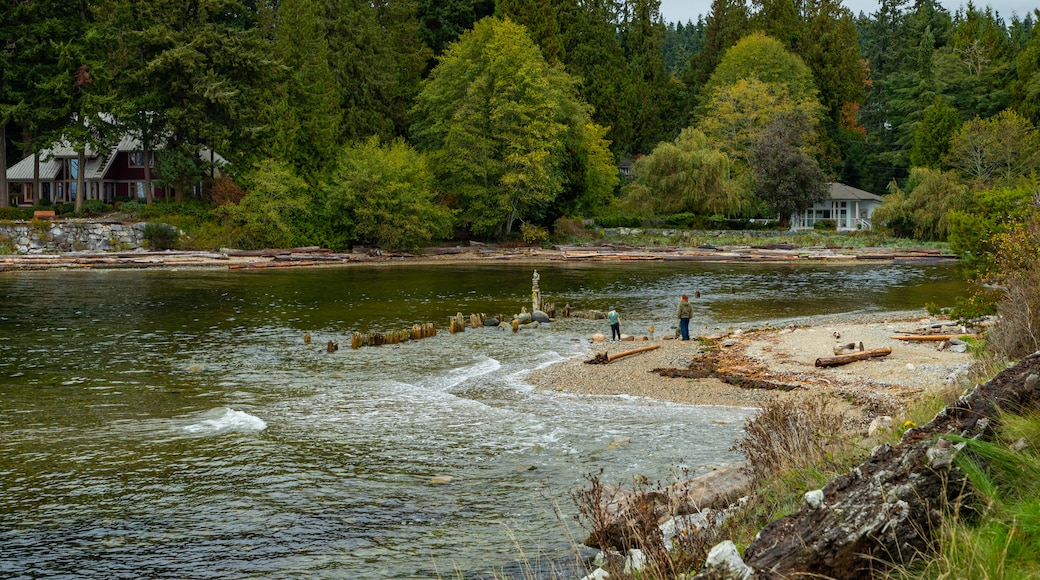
(163, 424)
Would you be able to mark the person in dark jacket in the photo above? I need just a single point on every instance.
(685, 312)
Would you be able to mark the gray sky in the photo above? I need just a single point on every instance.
(687, 10)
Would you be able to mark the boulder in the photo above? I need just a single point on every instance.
(599, 337)
(886, 509)
(539, 316)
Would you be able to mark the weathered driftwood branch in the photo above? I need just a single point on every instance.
(932, 337)
(884, 511)
(604, 358)
(844, 359)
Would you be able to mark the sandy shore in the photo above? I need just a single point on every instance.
(783, 356)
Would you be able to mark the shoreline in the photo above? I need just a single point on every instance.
(782, 355)
(474, 253)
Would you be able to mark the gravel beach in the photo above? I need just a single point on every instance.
(784, 356)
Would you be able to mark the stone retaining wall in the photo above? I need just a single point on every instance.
(39, 237)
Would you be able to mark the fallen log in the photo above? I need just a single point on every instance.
(883, 512)
(844, 359)
(261, 265)
(933, 337)
(604, 358)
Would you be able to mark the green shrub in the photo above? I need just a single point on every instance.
(94, 207)
(16, 213)
(533, 234)
(619, 221)
(682, 220)
(160, 236)
(828, 225)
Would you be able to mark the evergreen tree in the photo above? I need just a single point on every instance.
(657, 117)
(594, 55)
(306, 117)
(975, 68)
(779, 19)
(542, 20)
(727, 23)
(933, 134)
(1025, 90)
(441, 22)
(378, 60)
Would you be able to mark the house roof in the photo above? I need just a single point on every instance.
(98, 163)
(23, 170)
(842, 192)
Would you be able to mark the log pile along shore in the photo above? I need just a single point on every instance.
(322, 257)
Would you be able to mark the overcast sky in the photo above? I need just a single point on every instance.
(687, 10)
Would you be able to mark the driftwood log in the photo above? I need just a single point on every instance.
(604, 358)
(622, 510)
(844, 359)
(885, 510)
(932, 337)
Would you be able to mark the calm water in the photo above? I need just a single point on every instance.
(175, 425)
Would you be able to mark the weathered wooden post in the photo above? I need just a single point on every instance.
(536, 293)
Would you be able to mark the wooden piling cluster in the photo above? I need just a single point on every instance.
(416, 332)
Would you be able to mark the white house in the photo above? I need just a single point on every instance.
(850, 209)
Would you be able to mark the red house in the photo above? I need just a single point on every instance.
(118, 173)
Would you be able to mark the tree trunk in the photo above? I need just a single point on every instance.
(81, 177)
(884, 511)
(844, 359)
(5, 196)
(37, 190)
(148, 197)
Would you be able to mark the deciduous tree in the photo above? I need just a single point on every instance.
(687, 175)
(382, 194)
(787, 177)
(490, 117)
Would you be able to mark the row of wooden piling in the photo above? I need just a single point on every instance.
(457, 323)
(416, 332)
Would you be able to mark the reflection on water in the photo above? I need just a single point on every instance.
(173, 424)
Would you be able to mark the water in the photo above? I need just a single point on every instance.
(175, 425)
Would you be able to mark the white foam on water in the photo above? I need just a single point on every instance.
(459, 375)
(222, 420)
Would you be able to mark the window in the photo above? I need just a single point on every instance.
(137, 158)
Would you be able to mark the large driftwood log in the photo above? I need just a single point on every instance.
(844, 359)
(604, 358)
(932, 337)
(885, 510)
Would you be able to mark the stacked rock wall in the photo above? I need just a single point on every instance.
(38, 237)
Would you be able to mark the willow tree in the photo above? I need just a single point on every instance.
(687, 175)
(494, 117)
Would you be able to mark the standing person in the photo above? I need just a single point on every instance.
(615, 324)
(685, 311)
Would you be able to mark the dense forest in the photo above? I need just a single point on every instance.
(400, 122)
